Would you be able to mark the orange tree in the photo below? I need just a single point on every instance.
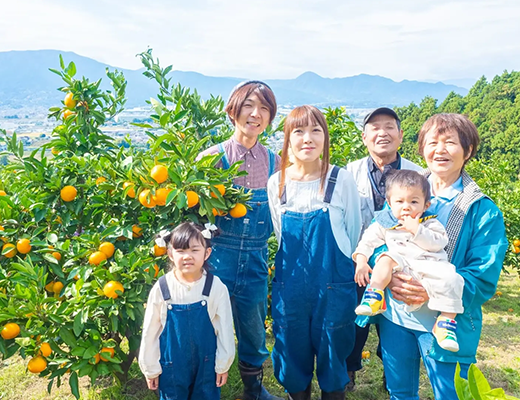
(78, 223)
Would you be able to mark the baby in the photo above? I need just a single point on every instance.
(415, 242)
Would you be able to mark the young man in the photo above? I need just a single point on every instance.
(239, 256)
(382, 135)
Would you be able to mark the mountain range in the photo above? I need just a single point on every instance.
(27, 82)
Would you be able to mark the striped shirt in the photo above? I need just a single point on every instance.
(256, 162)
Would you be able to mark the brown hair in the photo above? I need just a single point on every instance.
(297, 118)
(240, 94)
(408, 179)
(442, 123)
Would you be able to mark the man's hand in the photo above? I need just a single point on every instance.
(153, 383)
(222, 379)
(410, 224)
(408, 290)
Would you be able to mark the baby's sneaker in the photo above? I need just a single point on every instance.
(444, 331)
(373, 303)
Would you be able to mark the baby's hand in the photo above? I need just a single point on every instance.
(410, 224)
(222, 379)
(153, 383)
(362, 275)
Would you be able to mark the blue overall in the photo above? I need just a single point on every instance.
(314, 296)
(239, 259)
(188, 348)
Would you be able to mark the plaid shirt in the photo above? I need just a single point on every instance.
(256, 162)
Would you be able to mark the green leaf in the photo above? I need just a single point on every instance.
(91, 352)
(68, 337)
(478, 384)
(73, 382)
(461, 385)
(78, 324)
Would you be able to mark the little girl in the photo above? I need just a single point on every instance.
(188, 343)
(316, 214)
(415, 242)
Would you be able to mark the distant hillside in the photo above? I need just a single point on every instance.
(26, 81)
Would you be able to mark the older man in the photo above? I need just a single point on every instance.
(382, 135)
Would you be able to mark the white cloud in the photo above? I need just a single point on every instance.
(399, 39)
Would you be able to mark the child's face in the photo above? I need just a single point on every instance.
(407, 201)
(190, 261)
(306, 143)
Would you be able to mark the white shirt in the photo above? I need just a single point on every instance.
(219, 310)
(305, 196)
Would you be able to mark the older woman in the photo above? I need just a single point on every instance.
(477, 246)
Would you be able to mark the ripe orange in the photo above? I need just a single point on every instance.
(110, 289)
(216, 212)
(131, 191)
(3, 193)
(161, 195)
(69, 100)
(56, 255)
(238, 211)
(159, 173)
(37, 364)
(516, 242)
(193, 198)
(516, 249)
(365, 355)
(100, 180)
(155, 268)
(2, 228)
(49, 287)
(107, 248)
(68, 193)
(45, 350)
(55, 151)
(137, 231)
(67, 113)
(107, 350)
(221, 188)
(97, 257)
(57, 287)
(23, 246)
(10, 253)
(146, 199)
(97, 357)
(158, 250)
(10, 330)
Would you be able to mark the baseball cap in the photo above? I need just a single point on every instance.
(379, 111)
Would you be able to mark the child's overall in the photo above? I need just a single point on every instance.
(239, 259)
(314, 297)
(188, 348)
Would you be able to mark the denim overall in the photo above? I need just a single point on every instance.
(314, 296)
(188, 348)
(239, 259)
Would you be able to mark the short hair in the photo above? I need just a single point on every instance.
(442, 123)
(408, 179)
(240, 94)
(299, 117)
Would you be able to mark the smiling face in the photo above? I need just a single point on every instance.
(382, 136)
(307, 142)
(253, 118)
(407, 201)
(444, 153)
(189, 261)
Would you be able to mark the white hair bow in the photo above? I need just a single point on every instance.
(160, 239)
(207, 232)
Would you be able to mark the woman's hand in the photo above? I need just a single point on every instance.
(408, 290)
(222, 379)
(153, 383)
(362, 274)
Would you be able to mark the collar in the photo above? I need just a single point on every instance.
(242, 150)
(387, 220)
(393, 165)
(451, 192)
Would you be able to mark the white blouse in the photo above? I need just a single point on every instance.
(219, 310)
(305, 196)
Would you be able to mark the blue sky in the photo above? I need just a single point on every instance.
(398, 39)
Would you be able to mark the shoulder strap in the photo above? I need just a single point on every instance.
(331, 184)
(272, 162)
(208, 284)
(224, 159)
(163, 284)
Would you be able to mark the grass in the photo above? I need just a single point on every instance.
(498, 355)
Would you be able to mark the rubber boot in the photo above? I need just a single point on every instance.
(333, 395)
(252, 378)
(303, 395)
